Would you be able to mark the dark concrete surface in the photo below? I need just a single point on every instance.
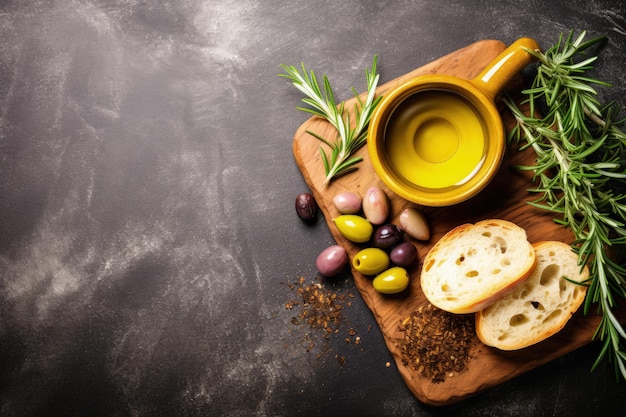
(147, 226)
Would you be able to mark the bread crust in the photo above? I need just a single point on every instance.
(474, 265)
(541, 307)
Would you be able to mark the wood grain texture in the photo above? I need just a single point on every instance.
(506, 198)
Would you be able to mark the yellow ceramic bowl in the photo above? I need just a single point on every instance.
(438, 140)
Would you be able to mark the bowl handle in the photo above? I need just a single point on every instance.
(505, 66)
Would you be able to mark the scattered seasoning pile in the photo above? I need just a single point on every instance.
(436, 343)
(320, 310)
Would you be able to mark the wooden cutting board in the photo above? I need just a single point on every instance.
(504, 198)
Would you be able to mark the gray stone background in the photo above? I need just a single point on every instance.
(146, 204)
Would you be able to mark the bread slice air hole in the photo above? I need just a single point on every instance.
(487, 234)
(549, 274)
(553, 316)
(500, 244)
(429, 265)
(505, 262)
(518, 320)
(496, 271)
(537, 305)
(577, 291)
(446, 288)
(471, 274)
(460, 259)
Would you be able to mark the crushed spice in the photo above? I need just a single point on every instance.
(321, 310)
(436, 344)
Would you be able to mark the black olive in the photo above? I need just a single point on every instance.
(404, 254)
(387, 236)
(306, 207)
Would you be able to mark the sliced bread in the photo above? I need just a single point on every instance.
(473, 265)
(541, 306)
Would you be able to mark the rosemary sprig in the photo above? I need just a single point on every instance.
(351, 134)
(580, 174)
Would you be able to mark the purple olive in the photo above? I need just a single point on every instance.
(387, 236)
(331, 260)
(404, 254)
(306, 207)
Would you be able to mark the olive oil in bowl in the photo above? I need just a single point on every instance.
(436, 140)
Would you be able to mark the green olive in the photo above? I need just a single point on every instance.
(371, 261)
(354, 228)
(392, 281)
